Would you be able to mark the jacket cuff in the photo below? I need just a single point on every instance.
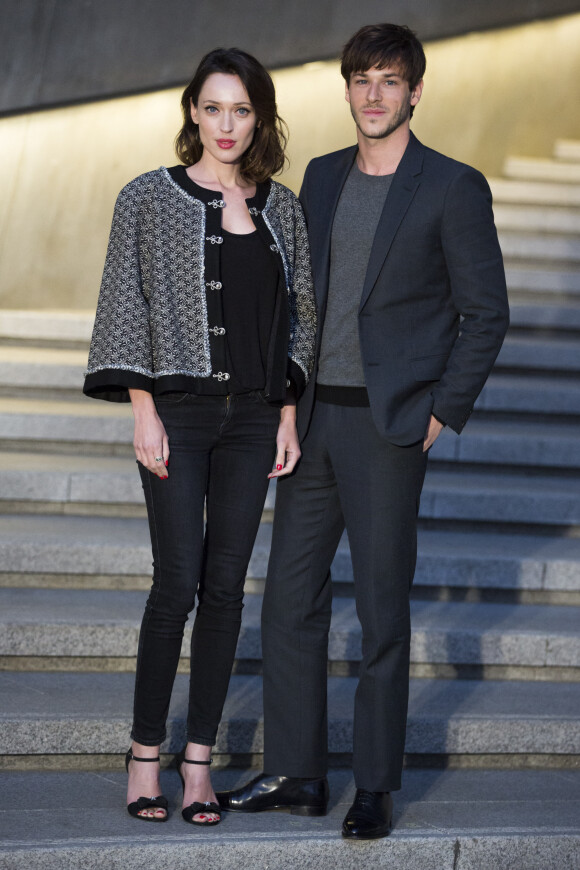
(455, 420)
(295, 374)
(113, 385)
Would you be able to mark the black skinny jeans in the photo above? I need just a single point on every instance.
(222, 449)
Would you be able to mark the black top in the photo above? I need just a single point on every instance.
(249, 276)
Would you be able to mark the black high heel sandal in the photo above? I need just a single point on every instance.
(197, 806)
(146, 803)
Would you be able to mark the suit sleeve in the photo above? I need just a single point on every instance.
(478, 289)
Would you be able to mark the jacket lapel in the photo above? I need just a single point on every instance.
(327, 208)
(403, 188)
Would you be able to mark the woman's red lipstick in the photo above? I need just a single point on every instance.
(226, 143)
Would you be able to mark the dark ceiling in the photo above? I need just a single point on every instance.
(54, 52)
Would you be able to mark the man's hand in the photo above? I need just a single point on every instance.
(433, 430)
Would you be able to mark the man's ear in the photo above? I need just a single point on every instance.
(416, 93)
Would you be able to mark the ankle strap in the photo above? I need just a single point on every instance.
(191, 761)
(136, 758)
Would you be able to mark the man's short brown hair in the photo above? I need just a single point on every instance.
(381, 46)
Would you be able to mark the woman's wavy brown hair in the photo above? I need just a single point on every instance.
(265, 156)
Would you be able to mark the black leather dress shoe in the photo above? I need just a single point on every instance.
(303, 797)
(370, 816)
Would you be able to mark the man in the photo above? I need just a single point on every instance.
(412, 300)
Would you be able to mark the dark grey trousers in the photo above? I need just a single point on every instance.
(348, 475)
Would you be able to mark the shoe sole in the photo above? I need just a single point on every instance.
(348, 835)
(294, 811)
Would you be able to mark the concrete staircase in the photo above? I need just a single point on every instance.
(494, 722)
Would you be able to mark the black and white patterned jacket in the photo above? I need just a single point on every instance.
(151, 329)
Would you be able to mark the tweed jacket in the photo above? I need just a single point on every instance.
(151, 328)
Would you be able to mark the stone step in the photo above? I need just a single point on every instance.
(534, 193)
(57, 374)
(51, 372)
(452, 633)
(539, 247)
(56, 623)
(103, 428)
(460, 819)
(537, 219)
(480, 560)
(542, 169)
(101, 552)
(537, 283)
(546, 354)
(60, 419)
(60, 426)
(103, 486)
(69, 483)
(512, 443)
(90, 713)
(548, 318)
(45, 368)
(500, 498)
(567, 149)
(50, 385)
(46, 328)
(526, 394)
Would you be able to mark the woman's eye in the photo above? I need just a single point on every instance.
(244, 112)
(211, 110)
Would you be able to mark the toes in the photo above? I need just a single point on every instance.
(152, 813)
(206, 817)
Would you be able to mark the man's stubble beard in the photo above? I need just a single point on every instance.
(402, 115)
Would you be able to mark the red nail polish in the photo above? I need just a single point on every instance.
(278, 468)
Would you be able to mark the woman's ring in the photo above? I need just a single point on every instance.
(159, 459)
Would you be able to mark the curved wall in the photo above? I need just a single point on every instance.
(486, 96)
(53, 52)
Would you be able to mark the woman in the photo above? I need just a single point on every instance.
(206, 322)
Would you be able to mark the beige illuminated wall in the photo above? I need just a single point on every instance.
(488, 95)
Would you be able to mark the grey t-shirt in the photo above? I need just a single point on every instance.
(355, 222)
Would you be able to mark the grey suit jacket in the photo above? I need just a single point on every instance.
(433, 311)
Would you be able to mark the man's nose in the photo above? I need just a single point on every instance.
(374, 92)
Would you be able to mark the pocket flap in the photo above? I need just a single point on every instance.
(429, 368)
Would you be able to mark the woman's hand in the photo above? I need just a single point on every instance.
(287, 444)
(150, 439)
